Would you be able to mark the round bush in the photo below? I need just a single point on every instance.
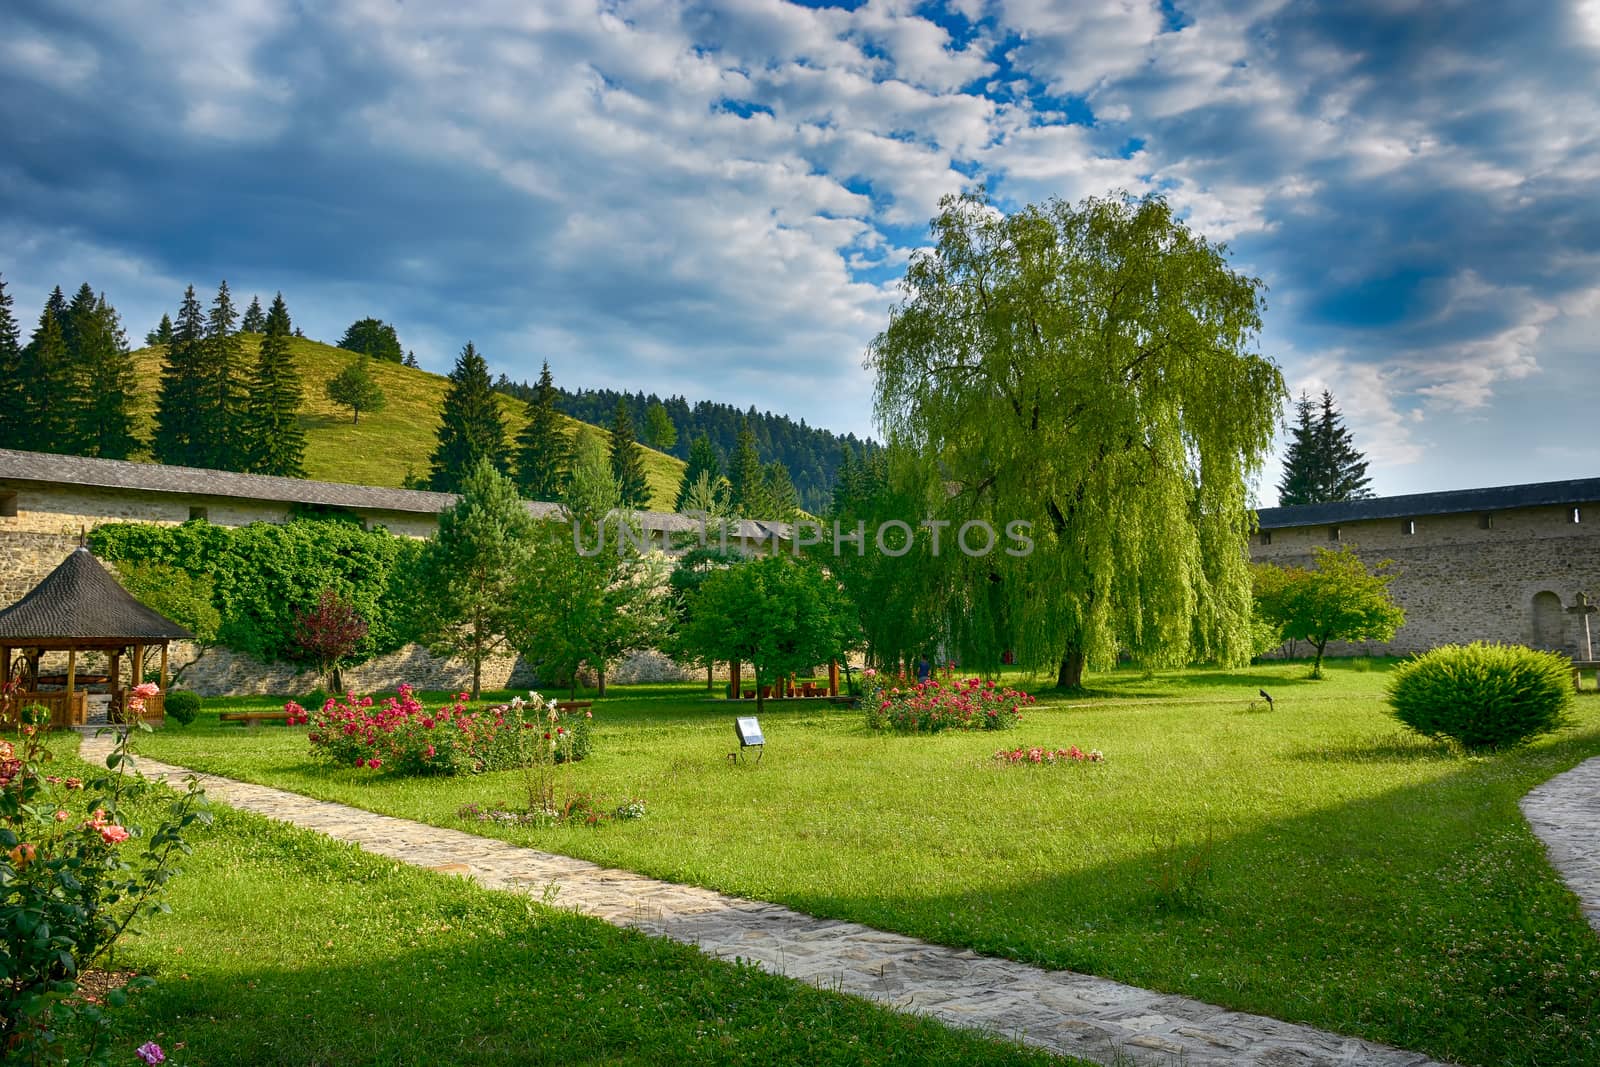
(1484, 696)
(183, 706)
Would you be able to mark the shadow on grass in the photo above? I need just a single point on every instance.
(1381, 748)
(1426, 917)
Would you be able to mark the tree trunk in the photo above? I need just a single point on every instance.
(710, 682)
(477, 676)
(336, 680)
(1070, 676)
(600, 680)
(1316, 665)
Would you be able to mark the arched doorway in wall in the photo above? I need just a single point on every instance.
(1549, 622)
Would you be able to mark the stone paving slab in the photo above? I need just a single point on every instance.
(1565, 813)
(1062, 1011)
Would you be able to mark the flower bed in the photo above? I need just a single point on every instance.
(1041, 756)
(940, 704)
(402, 736)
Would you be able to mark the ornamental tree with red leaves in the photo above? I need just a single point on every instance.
(327, 634)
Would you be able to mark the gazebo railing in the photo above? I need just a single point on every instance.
(66, 709)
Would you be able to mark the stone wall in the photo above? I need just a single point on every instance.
(1505, 576)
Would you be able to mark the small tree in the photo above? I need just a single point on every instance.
(254, 320)
(354, 388)
(1338, 601)
(658, 428)
(778, 613)
(327, 635)
(467, 575)
(627, 459)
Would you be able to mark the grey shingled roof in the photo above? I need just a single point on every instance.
(80, 599)
(50, 469)
(1451, 502)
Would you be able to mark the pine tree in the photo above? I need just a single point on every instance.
(104, 379)
(57, 305)
(781, 499)
(411, 360)
(627, 460)
(274, 441)
(47, 379)
(472, 427)
(703, 459)
(1299, 482)
(745, 475)
(178, 401)
(218, 413)
(1345, 466)
(12, 384)
(543, 453)
(80, 312)
(1322, 464)
(161, 335)
(255, 320)
(658, 427)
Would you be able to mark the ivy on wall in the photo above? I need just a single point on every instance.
(263, 573)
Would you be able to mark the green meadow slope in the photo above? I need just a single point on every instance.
(384, 445)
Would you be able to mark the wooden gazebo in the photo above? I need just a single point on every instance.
(79, 607)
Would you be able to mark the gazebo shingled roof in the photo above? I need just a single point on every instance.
(80, 601)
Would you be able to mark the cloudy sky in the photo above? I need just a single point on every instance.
(716, 199)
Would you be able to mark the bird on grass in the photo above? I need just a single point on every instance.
(1267, 697)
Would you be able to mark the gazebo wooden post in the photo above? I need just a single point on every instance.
(138, 668)
(163, 667)
(72, 672)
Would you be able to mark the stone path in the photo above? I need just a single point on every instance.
(1062, 1011)
(1565, 813)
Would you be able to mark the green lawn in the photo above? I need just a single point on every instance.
(284, 947)
(1312, 862)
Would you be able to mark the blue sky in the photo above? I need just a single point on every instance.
(717, 199)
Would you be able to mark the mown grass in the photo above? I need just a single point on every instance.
(285, 947)
(384, 445)
(1313, 862)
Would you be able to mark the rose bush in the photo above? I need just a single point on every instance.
(401, 735)
(940, 704)
(81, 861)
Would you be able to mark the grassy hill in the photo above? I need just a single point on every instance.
(384, 445)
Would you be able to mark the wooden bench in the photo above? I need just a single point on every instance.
(573, 705)
(252, 719)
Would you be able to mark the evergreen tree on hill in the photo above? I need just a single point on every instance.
(627, 462)
(543, 454)
(354, 388)
(220, 400)
(255, 320)
(1322, 464)
(47, 381)
(781, 500)
(162, 334)
(57, 305)
(79, 313)
(179, 395)
(703, 460)
(274, 442)
(472, 428)
(658, 428)
(104, 378)
(375, 338)
(746, 481)
(11, 381)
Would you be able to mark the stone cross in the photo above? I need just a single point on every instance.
(1582, 608)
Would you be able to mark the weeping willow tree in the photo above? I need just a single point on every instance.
(1089, 370)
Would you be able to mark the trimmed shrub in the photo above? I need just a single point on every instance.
(183, 706)
(316, 698)
(1483, 696)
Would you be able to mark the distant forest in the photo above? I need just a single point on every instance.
(811, 455)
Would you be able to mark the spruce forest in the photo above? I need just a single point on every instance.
(218, 387)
